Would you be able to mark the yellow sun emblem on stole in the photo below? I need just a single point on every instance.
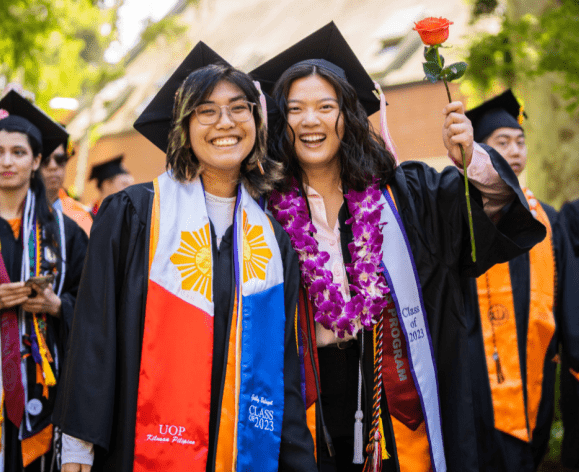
(193, 259)
(256, 254)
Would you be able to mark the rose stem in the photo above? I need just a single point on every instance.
(466, 186)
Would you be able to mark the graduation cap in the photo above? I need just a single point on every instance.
(24, 117)
(106, 170)
(502, 111)
(325, 48)
(155, 121)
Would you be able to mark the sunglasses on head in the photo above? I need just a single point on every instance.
(60, 159)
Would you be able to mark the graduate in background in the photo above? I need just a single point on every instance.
(36, 243)
(517, 316)
(365, 221)
(183, 352)
(569, 221)
(111, 177)
(53, 170)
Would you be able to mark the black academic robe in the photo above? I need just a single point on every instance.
(433, 210)
(57, 328)
(569, 220)
(499, 451)
(98, 400)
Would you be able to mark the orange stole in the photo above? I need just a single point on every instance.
(36, 446)
(75, 211)
(498, 322)
(227, 437)
(412, 447)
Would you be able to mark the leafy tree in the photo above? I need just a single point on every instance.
(55, 47)
(536, 52)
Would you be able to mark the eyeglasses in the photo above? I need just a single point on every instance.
(60, 159)
(210, 113)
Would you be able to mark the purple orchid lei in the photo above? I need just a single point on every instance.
(368, 282)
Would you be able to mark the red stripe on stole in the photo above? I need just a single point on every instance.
(174, 385)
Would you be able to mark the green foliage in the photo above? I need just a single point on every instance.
(168, 27)
(434, 69)
(531, 46)
(55, 47)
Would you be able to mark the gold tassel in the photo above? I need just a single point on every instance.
(500, 376)
(521, 116)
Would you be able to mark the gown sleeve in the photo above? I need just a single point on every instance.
(569, 306)
(297, 446)
(89, 398)
(437, 213)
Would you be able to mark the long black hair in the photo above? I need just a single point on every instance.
(196, 88)
(362, 152)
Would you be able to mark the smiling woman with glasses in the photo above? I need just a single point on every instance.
(184, 350)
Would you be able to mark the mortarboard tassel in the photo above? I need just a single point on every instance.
(500, 376)
(383, 123)
(263, 104)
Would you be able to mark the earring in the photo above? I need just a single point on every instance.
(260, 166)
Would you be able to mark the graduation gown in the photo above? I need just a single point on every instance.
(569, 221)
(497, 450)
(98, 400)
(434, 214)
(57, 328)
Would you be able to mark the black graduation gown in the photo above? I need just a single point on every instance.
(569, 220)
(499, 451)
(98, 400)
(434, 214)
(76, 244)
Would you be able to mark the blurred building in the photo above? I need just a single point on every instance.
(249, 32)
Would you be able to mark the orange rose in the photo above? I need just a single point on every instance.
(433, 31)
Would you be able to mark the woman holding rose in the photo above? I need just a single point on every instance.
(382, 248)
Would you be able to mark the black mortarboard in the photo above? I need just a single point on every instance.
(27, 118)
(502, 111)
(326, 48)
(155, 121)
(106, 170)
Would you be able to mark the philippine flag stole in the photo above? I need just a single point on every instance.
(174, 396)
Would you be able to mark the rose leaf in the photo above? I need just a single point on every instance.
(432, 71)
(456, 70)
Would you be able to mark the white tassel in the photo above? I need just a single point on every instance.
(359, 425)
(359, 438)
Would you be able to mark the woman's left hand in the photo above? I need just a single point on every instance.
(46, 301)
(457, 129)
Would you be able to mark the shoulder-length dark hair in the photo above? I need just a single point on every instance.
(196, 88)
(362, 153)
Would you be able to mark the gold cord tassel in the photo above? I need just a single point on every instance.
(500, 376)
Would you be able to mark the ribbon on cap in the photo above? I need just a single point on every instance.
(262, 101)
(383, 124)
